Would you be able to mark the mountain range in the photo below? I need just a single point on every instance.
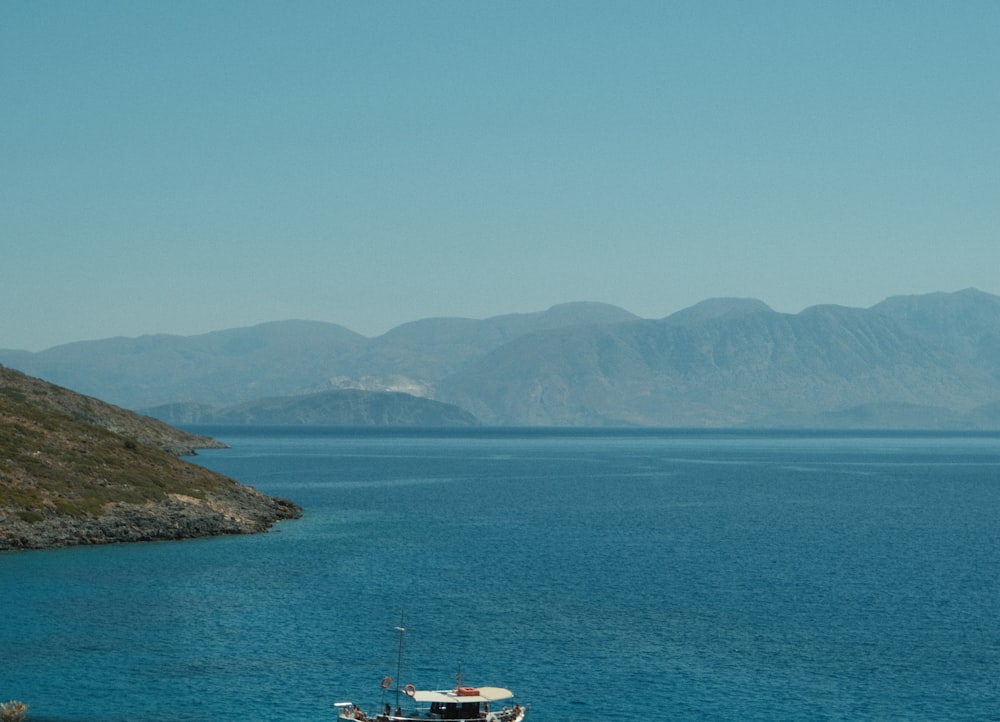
(926, 361)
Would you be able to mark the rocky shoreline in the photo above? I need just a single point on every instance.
(241, 510)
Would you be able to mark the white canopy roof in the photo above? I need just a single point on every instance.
(451, 696)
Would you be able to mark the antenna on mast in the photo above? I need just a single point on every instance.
(399, 656)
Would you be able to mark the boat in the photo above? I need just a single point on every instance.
(459, 704)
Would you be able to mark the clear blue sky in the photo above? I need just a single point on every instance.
(186, 166)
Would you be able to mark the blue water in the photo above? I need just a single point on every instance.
(685, 576)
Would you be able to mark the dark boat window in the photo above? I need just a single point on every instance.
(465, 710)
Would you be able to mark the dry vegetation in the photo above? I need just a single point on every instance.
(60, 473)
(13, 711)
(51, 461)
(44, 396)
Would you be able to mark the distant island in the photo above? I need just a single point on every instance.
(75, 470)
(337, 407)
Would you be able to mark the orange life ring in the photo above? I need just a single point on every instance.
(386, 682)
(410, 690)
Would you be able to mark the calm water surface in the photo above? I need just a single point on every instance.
(698, 576)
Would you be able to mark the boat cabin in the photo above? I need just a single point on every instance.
(466, 703)
(462, 704)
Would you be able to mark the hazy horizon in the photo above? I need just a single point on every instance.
(185, 167)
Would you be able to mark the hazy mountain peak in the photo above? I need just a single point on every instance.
(490, 332)
(716, 308)
(590, 311)
(576, 313)
(832, 310)
(938, 302)
(967, 319)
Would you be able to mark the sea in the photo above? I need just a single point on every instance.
(599, 574)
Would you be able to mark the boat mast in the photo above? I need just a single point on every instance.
(399, 656)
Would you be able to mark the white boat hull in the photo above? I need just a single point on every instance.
(348, 715)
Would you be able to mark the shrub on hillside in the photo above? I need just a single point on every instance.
(13, 711)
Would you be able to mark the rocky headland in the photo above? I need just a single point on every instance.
(75, 470)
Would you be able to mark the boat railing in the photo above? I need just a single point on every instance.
(504, 715)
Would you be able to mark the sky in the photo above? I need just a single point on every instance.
(194, 165)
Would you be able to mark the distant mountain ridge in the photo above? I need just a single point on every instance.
(929, 360)
(224, 368)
